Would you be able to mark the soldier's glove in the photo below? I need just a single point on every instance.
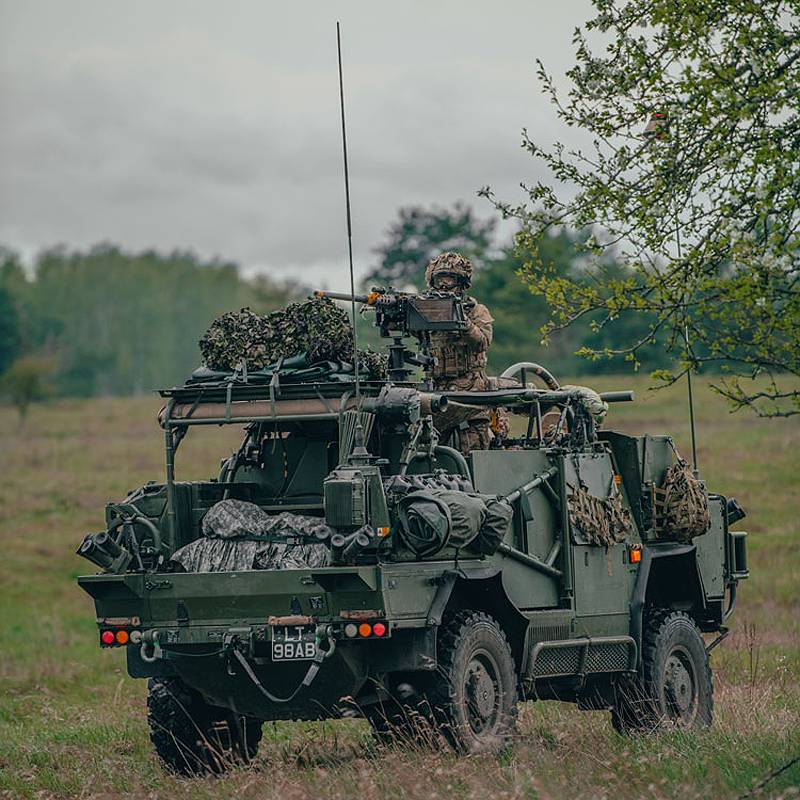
(591, 401)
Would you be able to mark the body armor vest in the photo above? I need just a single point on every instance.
(456, 354)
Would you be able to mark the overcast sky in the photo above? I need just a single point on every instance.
(215, 126)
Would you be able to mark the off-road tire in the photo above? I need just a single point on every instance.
(473, 694)
(192, 737)
(675, 687)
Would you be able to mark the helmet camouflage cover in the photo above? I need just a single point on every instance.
(452, 264)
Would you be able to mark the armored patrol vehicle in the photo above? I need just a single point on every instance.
(346, 561)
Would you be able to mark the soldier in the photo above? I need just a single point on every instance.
(461, 356)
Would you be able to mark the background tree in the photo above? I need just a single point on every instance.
(9, 330)
(419, 234)
(25, 381)
(702, 214)
(519, 314)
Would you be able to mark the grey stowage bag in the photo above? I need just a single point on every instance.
(240, 536)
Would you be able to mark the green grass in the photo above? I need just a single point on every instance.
(72, 724)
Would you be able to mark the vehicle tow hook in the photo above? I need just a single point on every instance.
(150, 650)
(323, 634)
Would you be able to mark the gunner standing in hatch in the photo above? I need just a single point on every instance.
(461, 355)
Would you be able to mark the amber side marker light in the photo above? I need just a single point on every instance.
(383, 532)
(636, 555)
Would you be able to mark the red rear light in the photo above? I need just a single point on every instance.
(107, 637)
(379, 629)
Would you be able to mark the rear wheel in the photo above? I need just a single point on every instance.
(192, 737)
(675, 687)
(474, 691)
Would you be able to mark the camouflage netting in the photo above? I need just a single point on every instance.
(318, 328)
(602, 522)
(373, 364)
(682, 504)
(239, 536)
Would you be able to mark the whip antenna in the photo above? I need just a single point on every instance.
(349, 223)
(688, 349)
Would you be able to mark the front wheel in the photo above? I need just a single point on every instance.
(675, 686)
(474, 692)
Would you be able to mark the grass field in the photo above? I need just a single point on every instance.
(72, 724)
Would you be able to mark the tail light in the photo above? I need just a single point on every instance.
(119, 631)
(365, 630)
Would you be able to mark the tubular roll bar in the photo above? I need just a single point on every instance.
(524, 396)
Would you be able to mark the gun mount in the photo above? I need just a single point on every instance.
(402, 314)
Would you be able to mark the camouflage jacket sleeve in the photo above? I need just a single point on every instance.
(479, 331)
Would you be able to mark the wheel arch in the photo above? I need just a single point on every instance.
(485, 592)
(669, 577)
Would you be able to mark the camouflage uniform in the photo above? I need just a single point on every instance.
(461, 356)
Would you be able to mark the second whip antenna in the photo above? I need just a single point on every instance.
(349, 222)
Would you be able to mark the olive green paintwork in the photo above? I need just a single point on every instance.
(572, 611)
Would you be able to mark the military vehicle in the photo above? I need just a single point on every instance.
(345, 560)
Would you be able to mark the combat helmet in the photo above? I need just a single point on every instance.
(452, 264)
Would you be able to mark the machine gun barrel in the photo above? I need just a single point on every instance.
(359, 298)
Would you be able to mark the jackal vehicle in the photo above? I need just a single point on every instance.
(345, 561)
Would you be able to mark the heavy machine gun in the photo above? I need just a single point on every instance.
(400, 314)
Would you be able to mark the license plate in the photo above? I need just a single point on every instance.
(294, 643)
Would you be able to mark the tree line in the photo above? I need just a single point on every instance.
(106, 321)
(110, 322)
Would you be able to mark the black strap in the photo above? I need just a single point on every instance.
(313, 669)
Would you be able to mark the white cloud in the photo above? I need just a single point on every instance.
(215, 126)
